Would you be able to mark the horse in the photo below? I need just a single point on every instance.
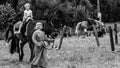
(84, 27)
(81, 28)
(49, 30)
(10, 37)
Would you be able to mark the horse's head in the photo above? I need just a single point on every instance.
(9, 32)
(54, 34)
(50, 30)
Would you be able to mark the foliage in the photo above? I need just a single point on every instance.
(66, 12)
(6, 12)
(60, 12)
(63, 12)
(110, 9)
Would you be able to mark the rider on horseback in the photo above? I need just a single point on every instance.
(27, 15)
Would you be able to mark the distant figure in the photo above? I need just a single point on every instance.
(39, 38)
(99, 22)
(100, 28)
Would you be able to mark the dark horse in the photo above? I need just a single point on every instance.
(9, 36)
(49, 30)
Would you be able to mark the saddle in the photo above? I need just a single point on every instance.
(25, 23)
(23, 31)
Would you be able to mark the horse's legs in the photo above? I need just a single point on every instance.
(79, 34)
(21, 49)
(18, 47)
(31, 46)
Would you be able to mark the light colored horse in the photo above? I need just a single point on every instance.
(81, 28)
(86, 27)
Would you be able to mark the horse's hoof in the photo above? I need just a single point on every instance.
(21, 59)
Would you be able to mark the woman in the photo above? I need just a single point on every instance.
(39, 38)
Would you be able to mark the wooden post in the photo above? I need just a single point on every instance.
(116, 37)
(96, 36)
(61, 39)
(111, 39)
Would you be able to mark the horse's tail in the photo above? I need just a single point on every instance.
(13, 45)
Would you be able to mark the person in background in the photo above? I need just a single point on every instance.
(39, 38)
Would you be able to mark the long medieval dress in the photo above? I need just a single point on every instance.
(40, 59)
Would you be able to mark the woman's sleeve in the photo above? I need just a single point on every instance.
(48, 39)
(34, 38)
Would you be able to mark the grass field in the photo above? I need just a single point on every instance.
(75, 53)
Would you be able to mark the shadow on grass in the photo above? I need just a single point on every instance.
(6, 62)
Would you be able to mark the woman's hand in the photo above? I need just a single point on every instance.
(40, 43)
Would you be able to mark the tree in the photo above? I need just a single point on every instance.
(67, 11)
(13, 3)
(110, 9)
(60, 12)
(6, 12)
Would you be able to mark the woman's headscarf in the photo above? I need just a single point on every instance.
(37, 25)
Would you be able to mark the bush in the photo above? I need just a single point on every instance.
(6, 12)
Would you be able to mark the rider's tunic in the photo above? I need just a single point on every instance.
(27, 14)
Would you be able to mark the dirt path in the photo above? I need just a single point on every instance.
(75, 53)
